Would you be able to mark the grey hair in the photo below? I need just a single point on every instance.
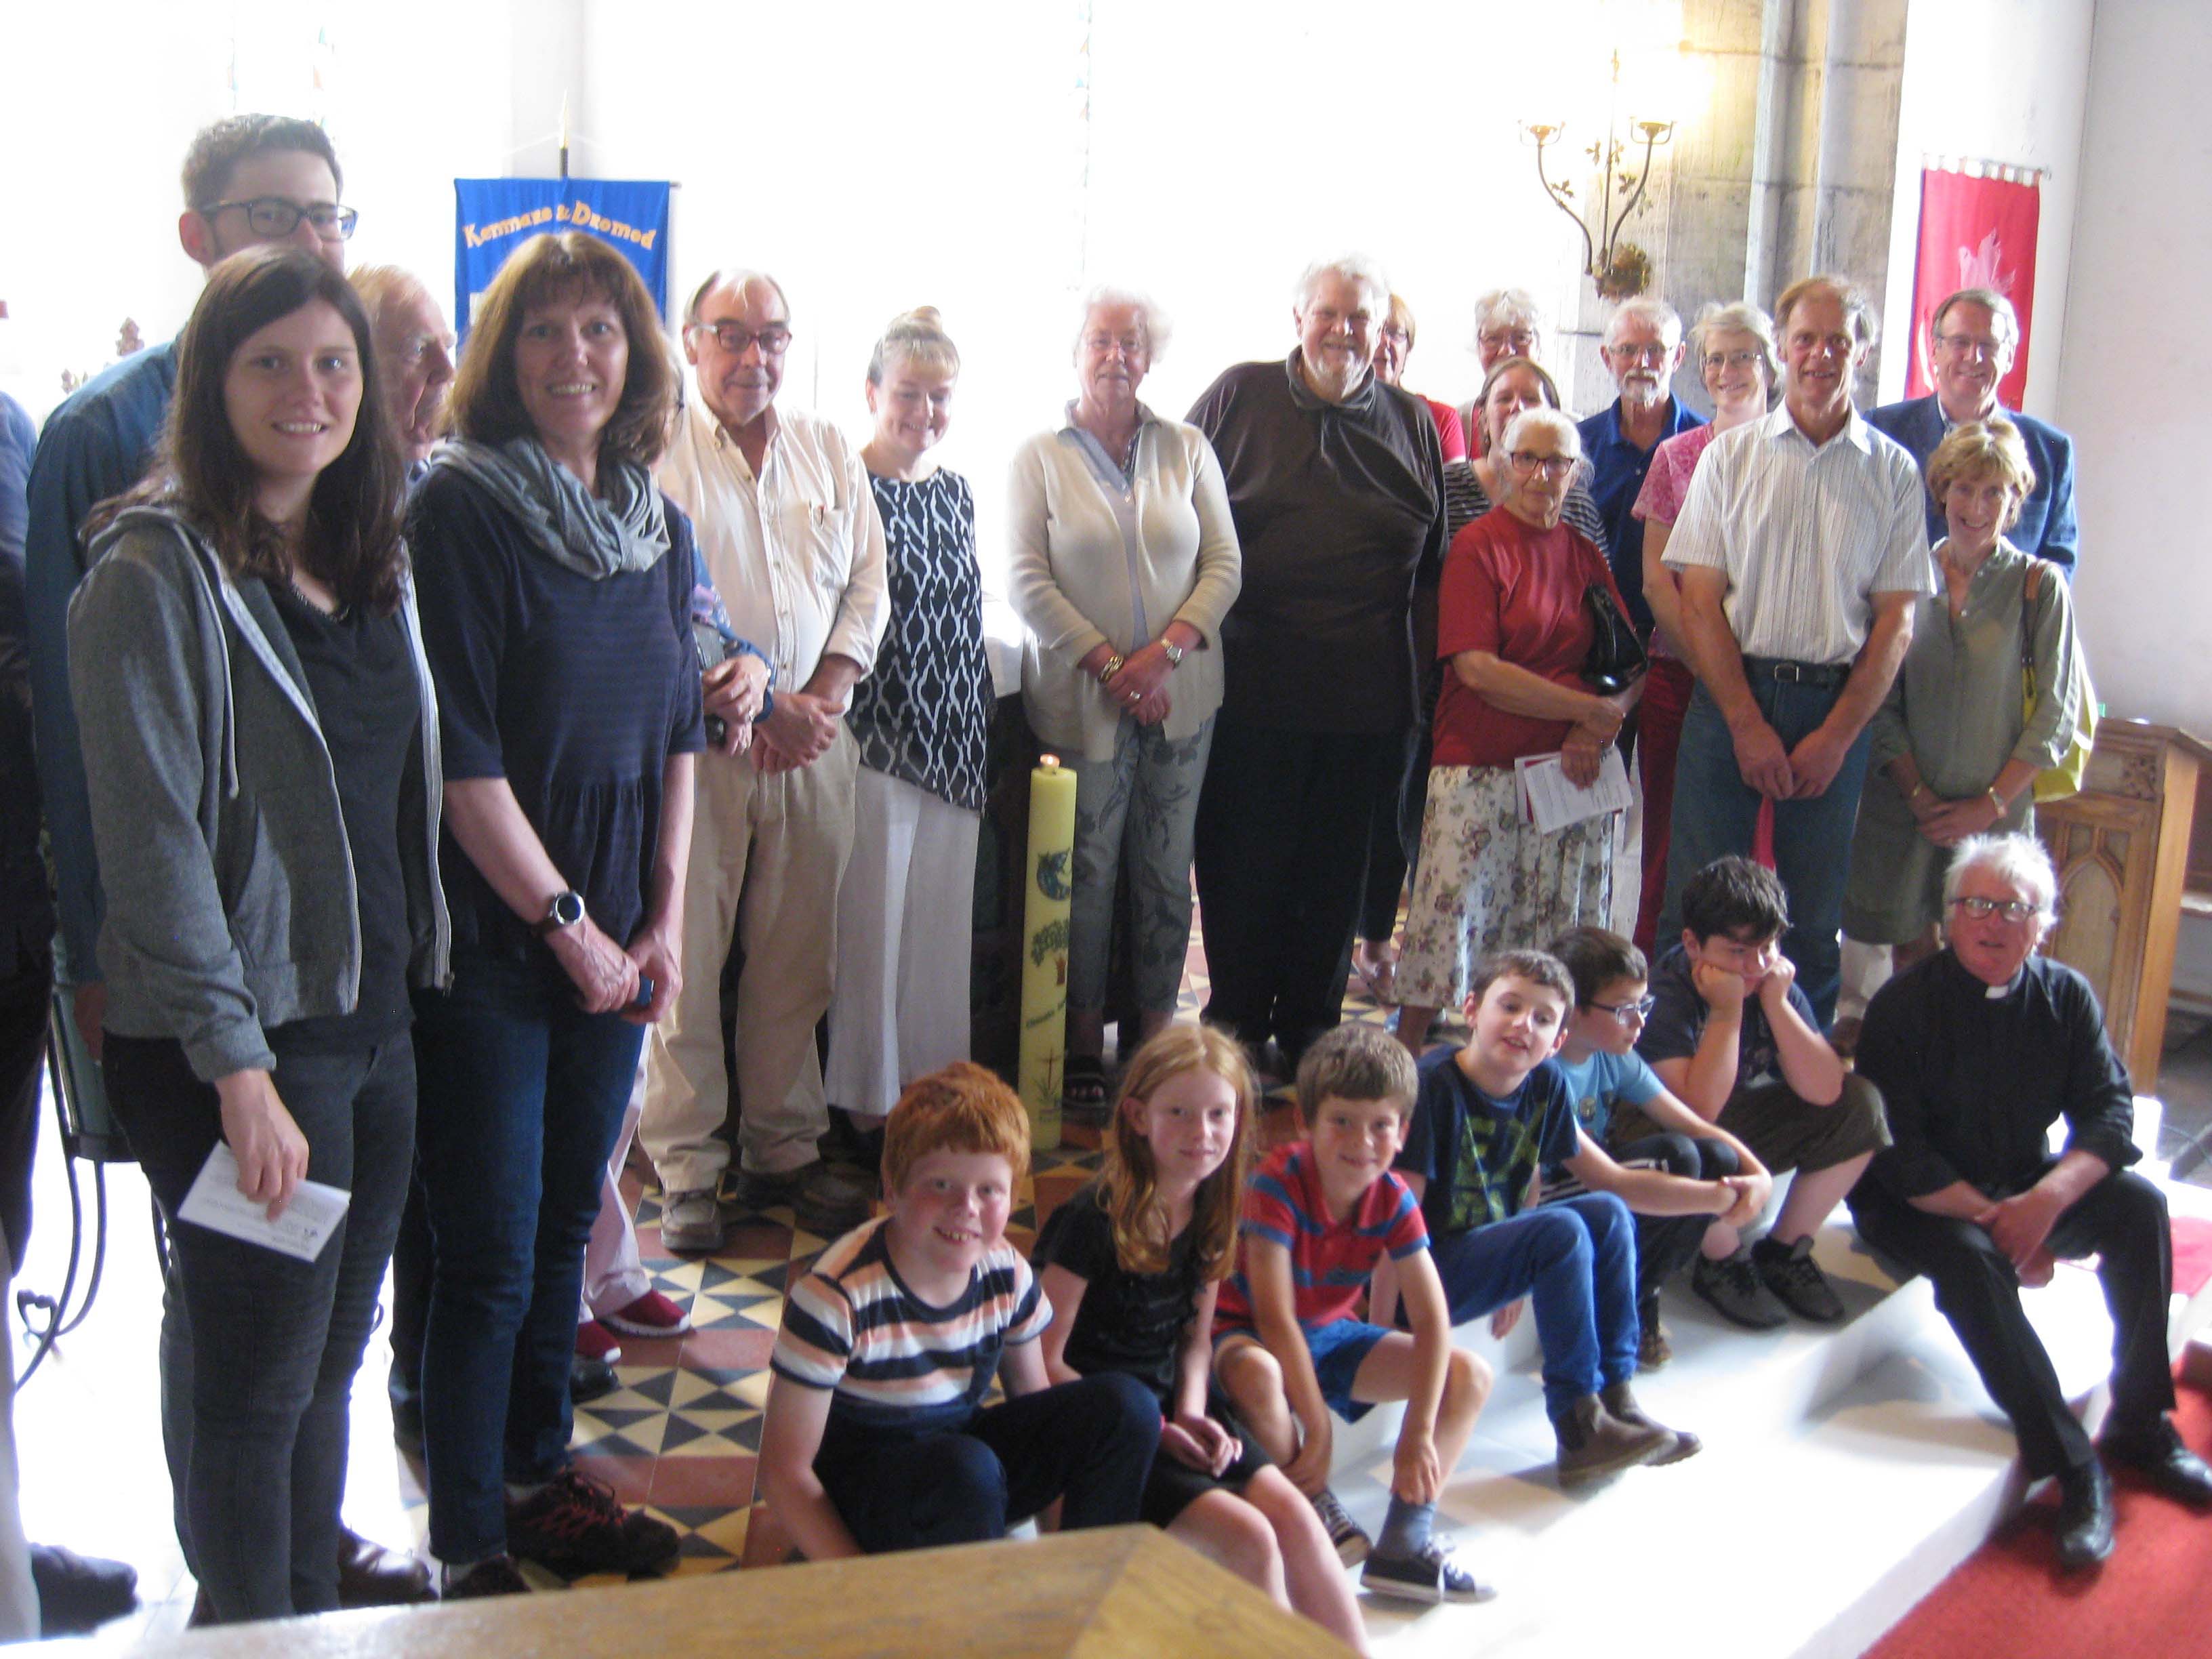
(1504, 306)
(2015, 858)
(737, 277)
(1738, 316)
(1159, 329)
(1350, 268)
(1559, 425)
(1998, 306)
(1859, 314)
(1645, 308)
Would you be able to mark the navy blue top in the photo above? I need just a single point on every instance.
(27, 917)
(576, 691)
(2047, 528)
(96, 445)
(1678, 1018)
(1618, 469)
(1476, 1151)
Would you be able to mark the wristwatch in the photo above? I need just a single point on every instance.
(561, 910)
(1173, 652)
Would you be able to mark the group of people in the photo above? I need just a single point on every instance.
(1192, 1324)
(457, 767)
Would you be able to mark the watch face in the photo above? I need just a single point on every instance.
(566, 910)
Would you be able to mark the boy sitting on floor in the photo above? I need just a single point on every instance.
(875, 1436)
(1620, 1104)
(1488, 1119)
(1288, 1348)
(1732, 1036)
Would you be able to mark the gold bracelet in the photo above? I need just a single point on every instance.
(1110, 667)
(1998, 801)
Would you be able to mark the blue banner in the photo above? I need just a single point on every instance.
(495, 216)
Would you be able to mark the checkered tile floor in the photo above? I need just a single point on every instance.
(681, 1434)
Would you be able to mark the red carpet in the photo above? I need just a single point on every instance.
(2152, 1599)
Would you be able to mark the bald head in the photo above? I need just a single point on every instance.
(414, 353)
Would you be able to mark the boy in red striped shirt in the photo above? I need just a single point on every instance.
(1289, 1346)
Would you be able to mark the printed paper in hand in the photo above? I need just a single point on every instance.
(1551, 803)
(306, 1226)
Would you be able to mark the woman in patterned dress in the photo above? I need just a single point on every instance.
(921, 719)
(1514, 630)
(1124, 561)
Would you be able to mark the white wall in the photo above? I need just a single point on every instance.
(97, 102)
(2137, 364)
(1999, 81)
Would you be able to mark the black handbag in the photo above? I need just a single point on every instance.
(1616, 655)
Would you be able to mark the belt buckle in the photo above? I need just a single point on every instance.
(1792, 672)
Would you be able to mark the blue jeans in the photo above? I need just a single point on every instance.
(1715, 812)
(1577, 1259)
(522, 1095)
(259, 1350)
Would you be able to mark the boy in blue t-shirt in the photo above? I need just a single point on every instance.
(1487, 1120)
(1621, 1103)
(1736, 1041)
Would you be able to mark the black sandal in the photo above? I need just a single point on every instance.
(1083, 1090)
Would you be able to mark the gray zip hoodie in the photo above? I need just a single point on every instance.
(231, 905)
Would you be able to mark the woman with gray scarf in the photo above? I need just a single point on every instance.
(556, 593)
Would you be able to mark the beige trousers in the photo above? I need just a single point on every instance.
(768, 854)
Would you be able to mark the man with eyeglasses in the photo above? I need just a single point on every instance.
(1971, 339)
(783, 511)
(247, 179)
(1643, 348)
(1801, 548)
(1979, 1051)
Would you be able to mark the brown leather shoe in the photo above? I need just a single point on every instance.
(1594, 1442)
(371, 1576)
(1622, 1405)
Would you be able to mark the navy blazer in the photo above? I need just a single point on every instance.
(2046, 528)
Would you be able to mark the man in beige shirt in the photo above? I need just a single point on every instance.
(789, 526)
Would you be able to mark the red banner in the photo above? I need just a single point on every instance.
(1974, 233)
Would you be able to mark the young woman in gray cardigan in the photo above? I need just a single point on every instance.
(261, 753)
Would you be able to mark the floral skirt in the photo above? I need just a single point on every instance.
(1488, 881)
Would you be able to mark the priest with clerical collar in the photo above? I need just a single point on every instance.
(1978, 1051)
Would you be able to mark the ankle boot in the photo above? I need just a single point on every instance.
(1620, 1405)
(1594, 1442)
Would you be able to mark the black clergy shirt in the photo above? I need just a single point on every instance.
(1972, 1082)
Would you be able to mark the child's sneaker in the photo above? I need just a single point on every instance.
(1353, 1543)
(1433, 1575)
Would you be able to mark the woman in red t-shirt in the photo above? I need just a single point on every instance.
(1514, 626)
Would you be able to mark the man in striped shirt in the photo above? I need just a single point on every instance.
(875, 1436)
(1801, 546)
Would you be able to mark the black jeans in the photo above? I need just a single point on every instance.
(1089, 1443)
(2122, 1220)
(259, 1350)
(1284, 827)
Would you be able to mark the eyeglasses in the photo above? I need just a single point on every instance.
(1552, 466)
(735, 337)
(273, 217)
(1970, 345)
(1627, 1012)
(1650, 351)
(2011, 909)
(1403, 336)
(1729, 359)
(1521, 339)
